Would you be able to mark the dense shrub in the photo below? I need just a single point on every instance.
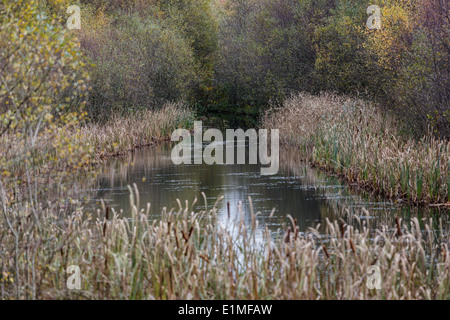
(270, 49)
(145, 53)
(340, 62)
(267, 50)
(42, 88)
(198, 22)
(138, 63)
(404, 65)
(426, 90)
(236, 57)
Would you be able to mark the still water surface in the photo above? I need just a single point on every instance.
(298, 190)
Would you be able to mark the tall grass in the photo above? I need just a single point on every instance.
(188, 254)
(125, 133)
(352, 138)
(72, 149)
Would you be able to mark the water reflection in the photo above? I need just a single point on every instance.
(298, 190)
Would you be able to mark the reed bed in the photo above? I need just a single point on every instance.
(65, 151)
(123, 134)
(188, 254)
(353, 139)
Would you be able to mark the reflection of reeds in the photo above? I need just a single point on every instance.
(352, 139)
(189, 255)
(133, 133)
(118, 169)
(344, 202)
(90, 144)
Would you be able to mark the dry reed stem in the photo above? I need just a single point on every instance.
(144, 258)
(353, 139)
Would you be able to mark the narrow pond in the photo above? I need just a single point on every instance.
(298, 190)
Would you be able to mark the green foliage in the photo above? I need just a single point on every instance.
(269, 49)
(147, 53)
(138, 63)
(42, 89)
(404, 65)
(237, 57)
(198, 22)
(266, 51)
(340, 64)
(229, 59)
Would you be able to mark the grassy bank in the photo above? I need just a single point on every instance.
(66, 150)
(187, 254)
(123, 134)
(353, 139)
